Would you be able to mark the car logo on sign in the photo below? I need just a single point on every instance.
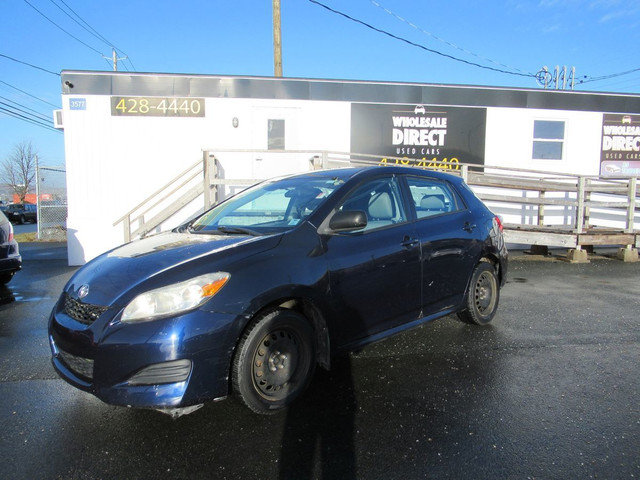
(83, 291)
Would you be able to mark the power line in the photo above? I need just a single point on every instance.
(446, 42)
(114, 59)
(607, 77)
(32, 96)
(106, 59)
(71, 35)
(626, 83)
(38, 118)
(97, 33)
(80, 21)
(25, 118)
(35, 112)
(409, 42)
(29, 64)
(91, 31)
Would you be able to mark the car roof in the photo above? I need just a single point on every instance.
(374, 170)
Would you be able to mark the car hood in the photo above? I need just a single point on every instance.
(125, 269)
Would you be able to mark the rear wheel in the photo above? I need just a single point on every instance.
(274, 361)
(21, 220)
(483, 296)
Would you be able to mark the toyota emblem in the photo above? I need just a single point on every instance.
(83, 291)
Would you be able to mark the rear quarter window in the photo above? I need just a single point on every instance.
(431, 197)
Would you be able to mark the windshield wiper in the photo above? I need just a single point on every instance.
(184, 228)
(238, 230)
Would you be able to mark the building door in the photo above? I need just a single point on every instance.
(275, 129)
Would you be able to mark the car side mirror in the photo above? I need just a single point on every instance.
(348, 221)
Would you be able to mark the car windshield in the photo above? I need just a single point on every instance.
(270, 207)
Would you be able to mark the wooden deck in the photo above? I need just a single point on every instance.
(550, 236)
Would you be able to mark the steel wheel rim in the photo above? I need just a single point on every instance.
(275, 363)
(484, 294)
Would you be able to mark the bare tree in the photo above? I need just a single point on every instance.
(19, 169)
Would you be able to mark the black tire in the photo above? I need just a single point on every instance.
(21, 221)
(274, 361)
(483, 295)
(5, 278)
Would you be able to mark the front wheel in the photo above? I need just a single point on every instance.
(483, 295)
(274, 361)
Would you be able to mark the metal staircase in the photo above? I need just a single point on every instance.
(168, 200)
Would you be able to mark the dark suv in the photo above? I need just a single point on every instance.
(21, 213)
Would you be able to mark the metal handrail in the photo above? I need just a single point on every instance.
(157, 192)
(160, 195)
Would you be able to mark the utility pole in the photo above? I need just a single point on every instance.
(114, 58)
(38, 196)
(277, 40)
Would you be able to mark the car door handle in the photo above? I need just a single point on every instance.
(409, 242)
(469, 227)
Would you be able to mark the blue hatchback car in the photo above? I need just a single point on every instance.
(251, 296)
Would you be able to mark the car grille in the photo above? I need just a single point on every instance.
(82, 312)
(82, 367)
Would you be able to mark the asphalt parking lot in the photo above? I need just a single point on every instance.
(549, 391)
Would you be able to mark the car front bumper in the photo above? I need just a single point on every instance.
(10, 258)
(8, 265)
(166, 363)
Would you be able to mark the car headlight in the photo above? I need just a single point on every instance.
(175, 298)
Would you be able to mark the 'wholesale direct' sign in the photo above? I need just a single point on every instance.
(420, 135)
(620, 153)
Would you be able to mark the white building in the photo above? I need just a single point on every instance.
(127, 134)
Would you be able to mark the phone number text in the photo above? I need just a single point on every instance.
(434, 163)
(157, 107)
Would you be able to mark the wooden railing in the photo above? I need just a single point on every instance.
(538, 208)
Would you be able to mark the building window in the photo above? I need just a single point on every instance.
(548, 140)
(276, 134)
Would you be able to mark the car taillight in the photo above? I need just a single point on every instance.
(10, 233)
(499, 222)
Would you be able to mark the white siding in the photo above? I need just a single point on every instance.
(113, 163)
(509, 140)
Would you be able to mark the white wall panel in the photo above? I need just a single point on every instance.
(509, 140)
(115, 162)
